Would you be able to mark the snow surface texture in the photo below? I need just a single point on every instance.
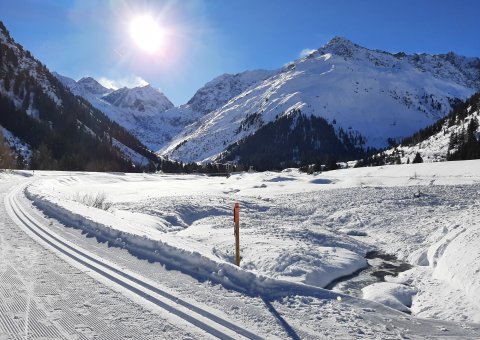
(394, 295)
(43, 296)
(298, 228)
(376, 94)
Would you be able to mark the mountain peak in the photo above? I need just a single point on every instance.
(147, 88)
(340, 46)
(338, 40)
(93, 86)
(221, 89)
(87, 80)
(144, 99)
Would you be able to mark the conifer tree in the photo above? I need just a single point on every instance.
(7, 160)
(418, 158)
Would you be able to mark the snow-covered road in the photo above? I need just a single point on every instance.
(82, 287)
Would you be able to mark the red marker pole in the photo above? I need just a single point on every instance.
(236, 219)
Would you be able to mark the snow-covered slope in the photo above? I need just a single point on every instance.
(291, 223)
(220, 90)
(373, 94)
(143, 99)
(442, 140)
(20, 148)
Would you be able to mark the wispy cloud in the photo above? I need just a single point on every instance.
(108, 83)
(132, 81)
(305, 52)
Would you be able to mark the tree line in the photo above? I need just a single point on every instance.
(295, 140)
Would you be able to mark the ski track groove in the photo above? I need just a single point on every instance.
(7, 323)
(19, 268)
(83, 259)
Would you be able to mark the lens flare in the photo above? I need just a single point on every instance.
(147, 33)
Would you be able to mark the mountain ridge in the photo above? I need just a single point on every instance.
(369, 96)
(374, 94)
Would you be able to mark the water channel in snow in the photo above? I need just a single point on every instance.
(379, 266)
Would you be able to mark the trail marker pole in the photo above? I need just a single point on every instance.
(236, 219)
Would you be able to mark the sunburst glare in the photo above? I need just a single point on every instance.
(147, 33)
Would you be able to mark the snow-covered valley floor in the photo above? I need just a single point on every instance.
(298, 234)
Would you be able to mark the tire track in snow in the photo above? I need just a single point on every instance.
(202, 319)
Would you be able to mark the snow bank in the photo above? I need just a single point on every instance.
(8, 175)
(193, 212)
(456, 259)
(391, 294)
(154, 246)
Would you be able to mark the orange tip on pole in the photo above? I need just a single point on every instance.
(236, 211)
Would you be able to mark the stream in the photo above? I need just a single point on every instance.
(379, 266)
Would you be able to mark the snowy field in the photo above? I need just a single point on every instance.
(299, 234)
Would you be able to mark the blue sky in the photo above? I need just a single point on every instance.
(209, 37)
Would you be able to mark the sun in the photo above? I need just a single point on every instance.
(147, 33)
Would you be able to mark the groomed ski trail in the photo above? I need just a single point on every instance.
(204, 320)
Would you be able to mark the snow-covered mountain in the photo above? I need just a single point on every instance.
(51, 128)
(144, 99)
(88, 84)
(359, 98)
(144, 111)
(367, 96)
(150, 115)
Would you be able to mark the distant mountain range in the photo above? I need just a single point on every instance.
(336, 103)
(366, 97)
(141, 110)
(150, 115)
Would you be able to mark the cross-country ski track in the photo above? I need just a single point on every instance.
(204, 320)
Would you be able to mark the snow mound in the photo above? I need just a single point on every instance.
(456, 259)
(394, 295)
